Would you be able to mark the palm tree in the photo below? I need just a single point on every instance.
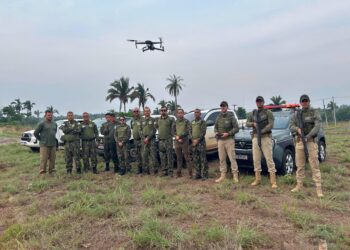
(52, 110)
(121, 90)
(277, 100)
(37, 113)
(17, 104)
(142, 94)
(172, 106)
(162, 103)
(28, 105)
(175, 86)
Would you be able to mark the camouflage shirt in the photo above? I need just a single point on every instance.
(311, 122)
(148, 126)
(182, 128)
(199, 129)
(89, 131)
(71, 130)
(226, 123)
(266, 120)
(122, 133)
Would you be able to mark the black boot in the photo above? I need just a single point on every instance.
(69, 171)
(86, 169)
(122, 171)
(94, 170)
(107, 166)
(116, 169)
(139, 170)
(78, 170)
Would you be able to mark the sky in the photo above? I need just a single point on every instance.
(65, 53)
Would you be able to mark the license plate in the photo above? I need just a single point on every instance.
(242, 157)
(23, 142)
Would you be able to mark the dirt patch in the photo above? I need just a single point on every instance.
(5, 141)
(3, 167)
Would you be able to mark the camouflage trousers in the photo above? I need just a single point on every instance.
(200, 162)
(166, 156)
(72, 152)
(182, 150)
(123, 157)
(110, 152)
(89, 154)
(313, 161)
(138, 158)
(149, 156)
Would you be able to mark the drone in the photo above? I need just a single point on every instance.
(149, 44)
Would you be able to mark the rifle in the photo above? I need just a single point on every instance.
(258, 130)
(303, 137)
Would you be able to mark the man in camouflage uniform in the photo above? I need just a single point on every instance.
(309, 127)
(226, 126)
(110, 149)
(136, 133)
(165, 134)
(72, 130)
(182, 131)
(89, 133)
(263, 120)
(45, 132)
(122, 137)
(149, 147)
(199, 154)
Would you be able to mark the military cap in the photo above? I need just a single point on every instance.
(223, 104)
(304, 97)
(260, 99)
(112, 114)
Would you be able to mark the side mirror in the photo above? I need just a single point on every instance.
(210, 123)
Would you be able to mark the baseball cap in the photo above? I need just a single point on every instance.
(304, 97)
(223, 104)
(260, 99)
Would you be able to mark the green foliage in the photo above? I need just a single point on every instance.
(241, 113)
(248, 236)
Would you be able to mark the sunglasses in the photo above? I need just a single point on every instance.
(135, 111)
(305, 100)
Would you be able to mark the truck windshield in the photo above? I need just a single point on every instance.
(281, 120)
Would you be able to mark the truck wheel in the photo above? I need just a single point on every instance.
(322, 153)
(288, 164)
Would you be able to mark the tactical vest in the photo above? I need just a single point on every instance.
(164, 128)
(263, 119)
(148, 126)
(136, 128)
(87, 131)
(196, 128)
(224, 123)
(308, 120)
(122, 132)
(74, 134)
(180, 127)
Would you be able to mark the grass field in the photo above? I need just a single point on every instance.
(107, 211)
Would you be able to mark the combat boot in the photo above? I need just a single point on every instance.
(297, 188)
(139, 170)
(222, 178)
(273, 180)
(86, 169)
(319, 191)
(94, 170)
(190, 174)
(106, 166)
(69, 171)
(78, 170)
(235, 177)
(257, 179)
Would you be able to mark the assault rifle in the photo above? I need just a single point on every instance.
(258, 130)
(302, 136)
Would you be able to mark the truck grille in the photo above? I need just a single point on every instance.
(243, 144)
